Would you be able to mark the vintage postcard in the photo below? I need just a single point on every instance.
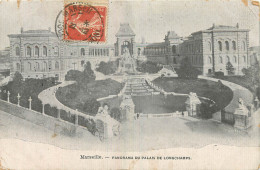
(127, 84)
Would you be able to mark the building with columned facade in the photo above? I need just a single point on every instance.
(40, 54)
(210, 50)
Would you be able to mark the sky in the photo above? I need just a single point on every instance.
(150, 19)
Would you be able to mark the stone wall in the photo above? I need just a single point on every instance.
(51, 123)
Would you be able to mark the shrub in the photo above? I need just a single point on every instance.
(149, 67)
(107, 68)
(219, 74)
(186, 70)
(230, 68)
(116, 114)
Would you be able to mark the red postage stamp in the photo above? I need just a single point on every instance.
(83, 22)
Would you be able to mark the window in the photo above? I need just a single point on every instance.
(234, 45)
(18, 66)
(220, 60)
(57, 66)
(174, 49)
(29, 66)
(244, 58)
(139, 51)
(220, 46)
(37, 66)
(56, 50)
(28, 51)
(174, 61)
(82, 51)
(209, 46)
(227, 59)
(44, 51)
(17, 51)
(244, 46)
(36, 51)
(209, 60)
(45, 66)
(235, 59)
(227, 45)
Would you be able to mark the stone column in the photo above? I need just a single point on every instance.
(58, 115)
(8, 97)
(43, 109)
(76, 119)
(30, 103)
(18, 101)
(256, 102)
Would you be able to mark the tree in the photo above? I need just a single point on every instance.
(253, 74)
(230, 69)
(186, 70)
(115, 113)
(107, 68)
(149, 67)
(91, 106)
(88, 74)
(73, 75)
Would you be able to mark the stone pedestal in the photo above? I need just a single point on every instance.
(127, 108)
(193, 104)
(241, 116)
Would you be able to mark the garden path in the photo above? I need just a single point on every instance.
(238, 92)
(48, 96)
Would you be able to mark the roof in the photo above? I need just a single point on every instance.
(34, 33)
(157, 44)
(218, 28)
(125, 30)
(172, 35)
(214, 27)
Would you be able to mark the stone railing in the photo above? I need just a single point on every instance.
(156, 115)
(41, 119)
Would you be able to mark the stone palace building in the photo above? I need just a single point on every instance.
(208, 50)
(40, 54)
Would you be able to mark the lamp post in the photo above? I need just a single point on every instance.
(18, 97)
(8, 97)
(30, 103)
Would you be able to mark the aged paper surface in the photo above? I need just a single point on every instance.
(129, 84)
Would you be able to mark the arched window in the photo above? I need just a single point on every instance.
(36, 51)
(209, 60)
(18, 66)
(174, 61)
(82, 51)
(174, 49)
(227, 45)
(139, 51)
(56, 50)
(244, 58)
(220, 60)
(220, 46)
(45, 66)
(29, 66)
(57, 66)
(227, 59)
(234, 46)
(29, 51)
(244, 46)
(37, 66)
(17, 51)
(209, 46)
(235, 59)
(44, 51)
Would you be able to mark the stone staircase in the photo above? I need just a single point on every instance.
(138, 87)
